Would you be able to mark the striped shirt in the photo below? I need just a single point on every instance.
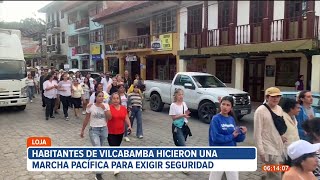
(135, 99)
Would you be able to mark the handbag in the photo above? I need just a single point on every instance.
(278, 121)
(179, 122)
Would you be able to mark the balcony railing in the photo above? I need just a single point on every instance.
(53, 24)
(54, 48)
(135, 42)
(84, 49)
(276, 30)
(82, 23)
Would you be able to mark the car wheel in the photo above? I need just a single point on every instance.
(206, 111)
(156, 103)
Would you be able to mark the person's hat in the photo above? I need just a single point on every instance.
(301, 147)
(273, 91)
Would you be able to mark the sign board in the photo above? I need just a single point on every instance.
(163, 43)
(96, 57)
(131, 58)
(95, 49)
(85, 57)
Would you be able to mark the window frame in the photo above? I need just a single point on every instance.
(63, 37)
(95, 9)
(62, 14)
(72, 17)
(73, 41)
(256, 10)
(224, 70)
(165, 22)
(223, 16)
(96, 35)
(195, 18)
(286, 63)
(111, 33)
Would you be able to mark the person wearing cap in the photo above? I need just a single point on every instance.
(304, 161)
(268, 141)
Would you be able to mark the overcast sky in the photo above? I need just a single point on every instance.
(17, 10)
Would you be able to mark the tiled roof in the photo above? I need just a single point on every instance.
(117, 8)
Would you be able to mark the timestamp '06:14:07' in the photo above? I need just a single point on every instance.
(275, 168)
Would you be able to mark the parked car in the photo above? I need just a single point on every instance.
(201, 92)
(94, 75)
(315, 95)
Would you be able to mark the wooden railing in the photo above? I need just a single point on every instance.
(135, 42)
(82, 23)
(278, 30)
(83, 49)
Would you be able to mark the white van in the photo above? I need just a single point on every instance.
(13, 72)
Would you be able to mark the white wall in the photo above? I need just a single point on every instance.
(278, 11)
(317, 8)
(243, 12)
(213, 15)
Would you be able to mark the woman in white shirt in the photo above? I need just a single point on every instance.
(50, 94)
(31, 87)
(76, 94)
(97, 114)
(64, 87)
(86, 96)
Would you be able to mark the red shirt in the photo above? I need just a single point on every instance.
(116, 123)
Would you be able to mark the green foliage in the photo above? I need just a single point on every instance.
(30, 25)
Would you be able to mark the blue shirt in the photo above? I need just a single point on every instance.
(221, 129)
(301, 118)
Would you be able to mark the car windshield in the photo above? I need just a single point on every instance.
(12, 69)
(208, 82)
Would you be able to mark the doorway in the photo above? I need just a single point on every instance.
(254, 78)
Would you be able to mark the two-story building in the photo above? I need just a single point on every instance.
(57, 46)
(141, 37)
(252, 45)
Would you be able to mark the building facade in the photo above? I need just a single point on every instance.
(141, 37)
(56, 40)
(252, 45)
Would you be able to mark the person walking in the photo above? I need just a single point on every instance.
(50, 93)
(31, 86)
(224, 132)
(134, 105)
(304, 161)
(64, 88)
(43, 78)
(312, 127)
(116, 123)
(267, 139)
(57, 100)
(124, 102)
(127, 80)
(179, 113)
(76, 94)
(112, 88)
(97, 114)
(86, 95)
(307, 112)
(99, 87)
(299, 83)
(105, 81)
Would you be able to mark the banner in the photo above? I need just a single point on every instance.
(163, 43)
(142, 159)
(95, 49)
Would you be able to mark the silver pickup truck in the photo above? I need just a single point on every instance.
(201, 93)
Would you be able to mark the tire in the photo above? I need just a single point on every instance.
(21, 108)
(156, 103)
(206, 111)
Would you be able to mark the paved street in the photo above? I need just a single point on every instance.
(15, 127)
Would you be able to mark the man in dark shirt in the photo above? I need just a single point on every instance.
(42, 80)
(127, 80)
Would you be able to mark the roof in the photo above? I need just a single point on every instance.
(51, 5)
(71, 4)
(117, 8)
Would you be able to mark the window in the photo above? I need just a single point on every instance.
(182, 79)
(73, 41)
(63, 37)
(256, 11)
(287, 71)
(296, 8)
(49, 40)
(195, 19)
(224, 12)
(112, 33)
(96, 35)
(95, 9)
(58, 38)
(62, 14)
(72, 17)
(53, 39)
(164, 22)
(224, 70)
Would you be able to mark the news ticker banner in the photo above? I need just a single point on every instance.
(142, 158)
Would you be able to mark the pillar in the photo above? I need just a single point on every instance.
(182, 65)
(238, 78)
(143, 65)
(310, 19)
(121, 65)
(105, 65)
(315, 73)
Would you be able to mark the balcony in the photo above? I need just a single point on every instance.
(54, 49)
(83, 50)
(282, 30)
(82, 25)
(53, 27)
(135, 42)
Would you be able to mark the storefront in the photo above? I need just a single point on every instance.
(96, 57)
(85, 61)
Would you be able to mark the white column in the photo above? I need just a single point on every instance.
(315, 73)
(182, 65)
(238, 78)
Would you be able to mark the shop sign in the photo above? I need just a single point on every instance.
(131, 58)
(163, 43)
(96, 57)
(95, 49)
(84, 57)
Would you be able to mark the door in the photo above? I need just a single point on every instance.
(189, 94)
(254, 79)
